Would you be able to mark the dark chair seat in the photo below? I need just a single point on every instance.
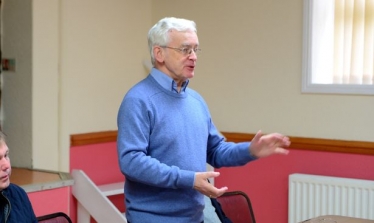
(237, 207)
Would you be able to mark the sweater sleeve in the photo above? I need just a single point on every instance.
(221, 153)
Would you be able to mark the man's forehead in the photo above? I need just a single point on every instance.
(184, 39)
(3, 147)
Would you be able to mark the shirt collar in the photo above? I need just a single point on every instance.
(167, 82)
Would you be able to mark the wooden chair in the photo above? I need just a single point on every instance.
(57, 217)
(237, 207)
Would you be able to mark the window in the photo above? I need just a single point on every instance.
(338, 46)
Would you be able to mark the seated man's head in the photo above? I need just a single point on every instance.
(4, 163)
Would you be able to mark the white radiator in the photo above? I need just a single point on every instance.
(312, 195)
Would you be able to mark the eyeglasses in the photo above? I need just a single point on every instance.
(186, 51)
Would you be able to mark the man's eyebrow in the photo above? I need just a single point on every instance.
(190, 46)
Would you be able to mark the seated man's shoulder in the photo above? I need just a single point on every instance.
(14, 189)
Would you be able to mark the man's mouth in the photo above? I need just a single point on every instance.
(5, 177)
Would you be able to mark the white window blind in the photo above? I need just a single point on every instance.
(338, 51)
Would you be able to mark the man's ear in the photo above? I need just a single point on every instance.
(159, 54)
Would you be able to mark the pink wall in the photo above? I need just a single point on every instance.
(266, 180)
(50, 201)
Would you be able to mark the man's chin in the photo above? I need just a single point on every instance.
(4, 185)
(190, 75)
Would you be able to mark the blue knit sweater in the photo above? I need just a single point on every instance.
(164, 138)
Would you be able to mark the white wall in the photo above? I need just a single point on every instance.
(249, 71)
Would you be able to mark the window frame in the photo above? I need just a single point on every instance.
(307, 85)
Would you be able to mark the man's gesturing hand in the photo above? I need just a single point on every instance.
(266, 145)
(203, 186)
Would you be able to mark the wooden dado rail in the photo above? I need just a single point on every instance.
(300, 143)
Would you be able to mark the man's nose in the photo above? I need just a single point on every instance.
(4, 164)
(193, 55)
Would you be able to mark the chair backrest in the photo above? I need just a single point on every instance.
(57, 217)
(237, 207)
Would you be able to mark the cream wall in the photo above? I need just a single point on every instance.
(250, 72)
(75, 61)
(103, 44)
(45, 85)
(88, 53)
(16, 95)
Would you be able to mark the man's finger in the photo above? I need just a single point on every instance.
(281, 151)
(257, 137)
(211, 174)
(218, 192)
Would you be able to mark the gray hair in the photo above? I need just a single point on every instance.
(159, 33)
(2, 137)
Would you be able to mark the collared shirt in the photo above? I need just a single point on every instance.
(167, 82)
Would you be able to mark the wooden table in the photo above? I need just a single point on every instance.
(336, 219)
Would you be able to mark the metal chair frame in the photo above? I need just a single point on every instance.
(226, 201)
(58, 217)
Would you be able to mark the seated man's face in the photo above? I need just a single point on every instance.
(5, 170)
